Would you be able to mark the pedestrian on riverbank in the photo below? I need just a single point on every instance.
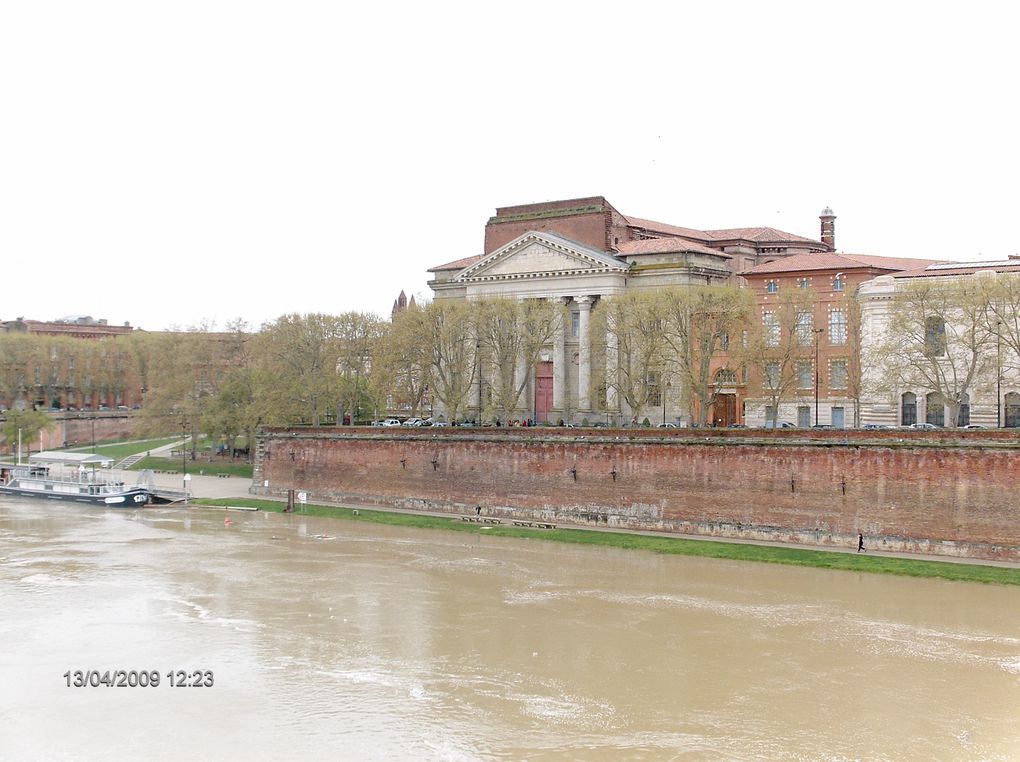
(478, 510)
(860, 543)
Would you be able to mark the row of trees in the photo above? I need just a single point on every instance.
(951, 336)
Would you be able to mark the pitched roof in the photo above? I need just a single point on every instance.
(833, 261)
(459, 264)
(552, 239)
(671, 230)
(666, 246)
(937, 269)
(759, 235)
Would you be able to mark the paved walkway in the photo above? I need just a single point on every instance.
(211, 487)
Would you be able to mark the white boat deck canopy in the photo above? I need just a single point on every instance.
(71, 458)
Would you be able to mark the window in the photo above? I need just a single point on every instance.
(771, 320)
(724, 342)
(805, 375)
(837, 327)
(934, 409)
(772, 375)
(575, 324)
(908, 409)
(837, 374)
(804, 283)
(839, 283)
(804, 416)
(804, 328)
(934, 337)
(772, 287)
(725, 376)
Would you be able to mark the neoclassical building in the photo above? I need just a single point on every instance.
(994, 395)
(580, 251)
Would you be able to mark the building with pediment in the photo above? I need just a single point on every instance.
(580, 251)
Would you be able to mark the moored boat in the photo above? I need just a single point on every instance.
(39, 478)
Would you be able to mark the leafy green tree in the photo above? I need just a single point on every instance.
(31, 423)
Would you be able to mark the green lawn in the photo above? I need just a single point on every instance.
(674, 545)
(235, 468)
(122, 449)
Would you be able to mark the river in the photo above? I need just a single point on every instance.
(344, 640)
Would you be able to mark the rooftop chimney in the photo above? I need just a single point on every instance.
(828, 228)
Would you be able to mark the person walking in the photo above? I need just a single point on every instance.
(860, 543)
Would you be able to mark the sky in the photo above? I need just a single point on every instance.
(185, 164)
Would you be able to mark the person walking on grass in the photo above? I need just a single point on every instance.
(860, 543)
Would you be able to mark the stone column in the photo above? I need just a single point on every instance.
(584, 356)
(612, 368)
(560, 362)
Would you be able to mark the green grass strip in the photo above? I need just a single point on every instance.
(819, 559)
(199, 466)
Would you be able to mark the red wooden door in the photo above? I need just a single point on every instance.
(543, 391)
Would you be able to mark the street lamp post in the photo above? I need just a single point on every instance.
(818, 333)
(998, 374)
(184, 454)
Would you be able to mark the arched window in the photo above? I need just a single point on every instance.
(725, 376)
(1012, 404)
(908, 409)
(934, 409)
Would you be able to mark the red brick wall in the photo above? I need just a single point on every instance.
(912, 494)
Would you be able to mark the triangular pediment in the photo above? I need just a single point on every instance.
(541, 254)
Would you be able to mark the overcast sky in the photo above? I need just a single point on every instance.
(167, 164)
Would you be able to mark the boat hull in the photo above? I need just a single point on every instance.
(129, 498)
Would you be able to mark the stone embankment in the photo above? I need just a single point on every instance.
(948, 494)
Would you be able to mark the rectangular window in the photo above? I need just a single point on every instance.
(838, 374)
(934, 337)
(575, 325)
(838, 284)
(724, 342)
(771, 320)
(772, 375)
(804, 328)
(837, 327)
(804, 283)
(804, 416)
(771, 287)
(805, 375)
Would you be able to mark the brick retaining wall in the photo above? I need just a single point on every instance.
(905, 491)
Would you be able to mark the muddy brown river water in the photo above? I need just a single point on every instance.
(342, 640)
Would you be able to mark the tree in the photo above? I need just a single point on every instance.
(401, 368)
(784, 337)
(511, 335)
(297, 361)
(447, 332)
(628, 330)
(698, 322)
(30, 423)
(937, 337)
(358, 335)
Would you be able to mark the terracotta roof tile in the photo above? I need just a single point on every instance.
(459, 264)
(833, 261)
(672, 230)
(666, 246)
(758, 235)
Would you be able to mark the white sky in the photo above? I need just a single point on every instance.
(172, 163)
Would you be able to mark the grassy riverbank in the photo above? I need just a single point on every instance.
(674, 545)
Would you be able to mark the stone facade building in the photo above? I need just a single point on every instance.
(580, 251)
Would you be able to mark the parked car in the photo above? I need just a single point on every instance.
(439, 424)
(924, 426)
(973, 426)
(414, 422)
(391, 422)
(666, 426)
(737, 426)
(779, 425)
